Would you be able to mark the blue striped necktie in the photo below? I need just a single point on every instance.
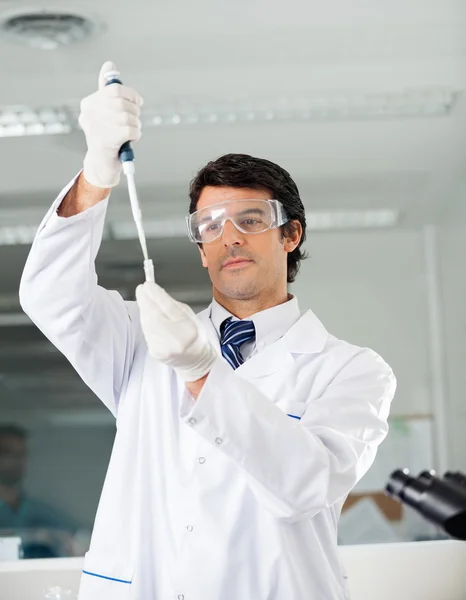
(233, 335)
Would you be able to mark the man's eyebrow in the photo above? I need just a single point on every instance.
(247, 211)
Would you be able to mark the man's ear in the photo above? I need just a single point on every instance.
(203, 257)
(292, 236)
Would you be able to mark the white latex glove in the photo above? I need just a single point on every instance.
(109, 118)
(173, 333)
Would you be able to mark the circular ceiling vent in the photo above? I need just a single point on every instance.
(47, 30)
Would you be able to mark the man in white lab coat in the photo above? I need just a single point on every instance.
(240, 431)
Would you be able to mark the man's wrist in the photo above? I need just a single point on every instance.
(195, 387)
(82, 195)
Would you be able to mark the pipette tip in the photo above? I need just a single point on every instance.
(149, 270)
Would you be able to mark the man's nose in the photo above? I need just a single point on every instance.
(232, 236)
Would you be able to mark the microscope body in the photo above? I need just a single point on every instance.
(441, 501)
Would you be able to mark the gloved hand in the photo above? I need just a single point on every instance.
(109, 118)
(173, 334)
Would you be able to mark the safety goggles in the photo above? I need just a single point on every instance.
(247, 215)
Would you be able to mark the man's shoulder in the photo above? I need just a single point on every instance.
(337, 354)
(355, 362)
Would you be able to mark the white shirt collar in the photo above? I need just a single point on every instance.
(271, 324)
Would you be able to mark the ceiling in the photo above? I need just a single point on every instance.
(255, 51)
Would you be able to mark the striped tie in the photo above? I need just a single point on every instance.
(233, 335)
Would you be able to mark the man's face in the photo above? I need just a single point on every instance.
(13, 455)
(265, 260)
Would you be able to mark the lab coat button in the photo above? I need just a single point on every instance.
(189, 527)
(218, 441)
(180, 597)
(192, 421)
(201, 460)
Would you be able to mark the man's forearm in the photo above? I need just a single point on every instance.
(81, 196)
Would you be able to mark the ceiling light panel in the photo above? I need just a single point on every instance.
(416, 103)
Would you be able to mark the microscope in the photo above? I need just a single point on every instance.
(440, 500)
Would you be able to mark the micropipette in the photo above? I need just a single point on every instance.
(126, 156)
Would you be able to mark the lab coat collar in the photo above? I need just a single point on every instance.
(270, 324)
(306, 336)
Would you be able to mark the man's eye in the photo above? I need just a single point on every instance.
(212, 227)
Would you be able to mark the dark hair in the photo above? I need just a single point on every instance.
(13, 431)
(244, 171)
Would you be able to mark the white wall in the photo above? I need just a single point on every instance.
(452, 254)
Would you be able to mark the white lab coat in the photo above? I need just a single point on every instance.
(228, 497)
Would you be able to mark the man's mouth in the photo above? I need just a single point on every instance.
(233, 263)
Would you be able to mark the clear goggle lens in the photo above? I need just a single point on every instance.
(248, 216)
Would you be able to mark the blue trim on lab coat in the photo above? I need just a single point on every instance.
(104, 577)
